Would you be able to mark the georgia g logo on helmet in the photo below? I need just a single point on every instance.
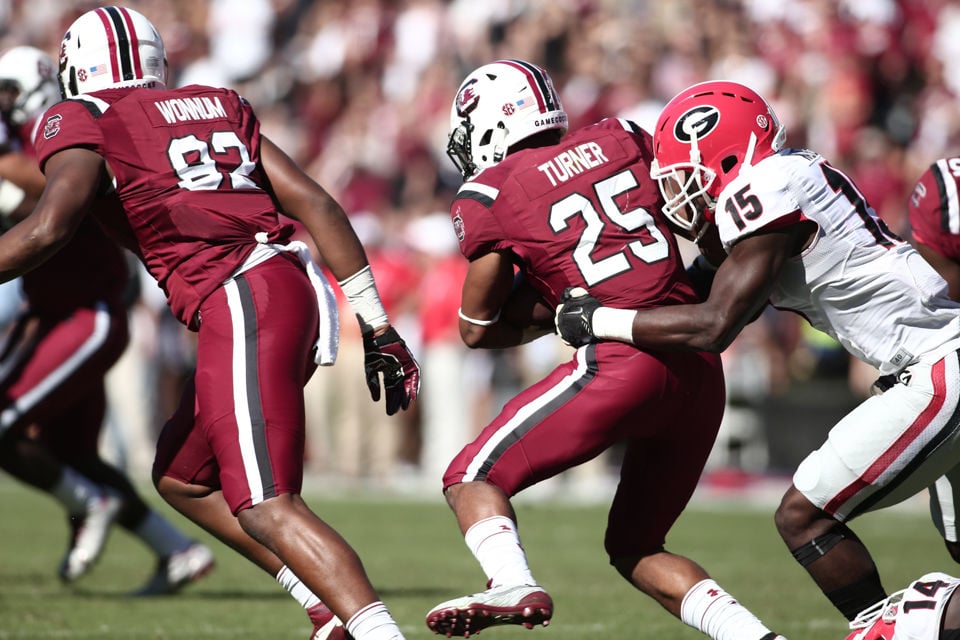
(696, 123)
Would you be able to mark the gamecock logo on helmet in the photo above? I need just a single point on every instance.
(467, 98)
(697, 123)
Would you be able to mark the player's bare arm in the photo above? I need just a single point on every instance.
(73, 176)
(739, 292)
(385, 352)
(22, 170)
(302, 199)
(486, 288)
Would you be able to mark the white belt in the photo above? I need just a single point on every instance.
(328, 340)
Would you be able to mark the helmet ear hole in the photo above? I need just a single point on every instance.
(728, 163)
(74, 90)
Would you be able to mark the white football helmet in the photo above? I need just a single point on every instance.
(110, 48)
(497, 106)
(28, 84)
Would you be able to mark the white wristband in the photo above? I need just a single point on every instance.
(614, 324)
(361, 292)
(10, 197)
(479, 323)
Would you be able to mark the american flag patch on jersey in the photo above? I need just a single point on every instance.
(97, 70)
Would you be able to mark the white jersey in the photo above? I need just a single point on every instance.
(920, 613)
(916, 613)
(856, 281)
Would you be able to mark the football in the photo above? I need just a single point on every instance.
(526, 307)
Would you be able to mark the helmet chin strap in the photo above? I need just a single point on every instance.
(498, 142)
(702, 231)
(751, 148)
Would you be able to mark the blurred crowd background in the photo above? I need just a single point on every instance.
(359, 92)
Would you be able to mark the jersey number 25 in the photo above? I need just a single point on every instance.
(632, 220)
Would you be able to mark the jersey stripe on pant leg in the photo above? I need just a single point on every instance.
(251, 427)
(15, 349)
(530, 415)
(931, 428)
(33, 397)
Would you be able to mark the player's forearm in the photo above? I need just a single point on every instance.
(29, 244)
(682, 327)
(22, 171)
(301, 198)
(335, 239)
(738, 292)
(499, 335)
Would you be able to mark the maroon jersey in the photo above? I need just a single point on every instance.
(586, 213)
(89, 268)
(581, 213)
(186, 170)
(935, 208)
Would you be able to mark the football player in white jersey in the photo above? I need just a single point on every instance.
(925, 610)
(783, 226)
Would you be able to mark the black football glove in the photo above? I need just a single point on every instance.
(574, 317)
(388, 354)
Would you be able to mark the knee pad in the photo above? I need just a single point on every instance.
(808, 552)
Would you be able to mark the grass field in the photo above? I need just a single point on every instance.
(416, 558)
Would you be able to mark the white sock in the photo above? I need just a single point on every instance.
(300, 592)
(373, 622)
(75, 491)
(161, 536)
(495, 544)
(711, 610)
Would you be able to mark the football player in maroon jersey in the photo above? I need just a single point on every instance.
(201, 193)
(73, 329)
(934, 213)
(561, 210)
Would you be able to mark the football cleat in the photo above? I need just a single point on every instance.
(326, 626)
(526, 605)
(878, 621)
(178, 570)
(89, 533)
